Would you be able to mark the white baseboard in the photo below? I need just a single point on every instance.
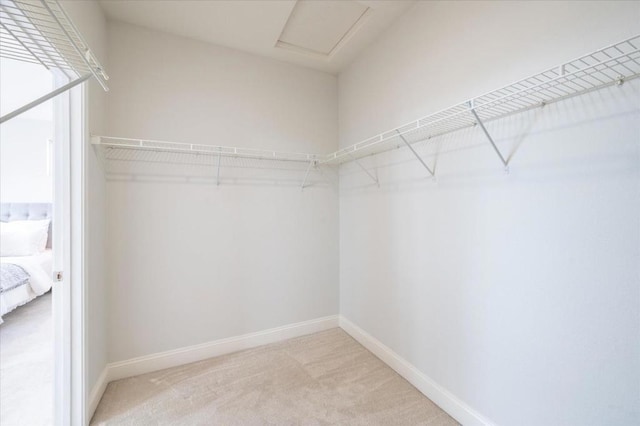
(186, 355)
(436, 393)
(97, 392)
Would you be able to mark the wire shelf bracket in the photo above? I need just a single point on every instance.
(306, 174)
(364, 169)
(431, 172)
(218, 169)
(505, 162)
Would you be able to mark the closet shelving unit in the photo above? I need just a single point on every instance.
(612, 65)
(127, 149)
(40, 32)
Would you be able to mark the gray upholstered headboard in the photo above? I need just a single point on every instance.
(26, 211)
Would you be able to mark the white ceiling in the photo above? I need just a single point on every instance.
(322, 34)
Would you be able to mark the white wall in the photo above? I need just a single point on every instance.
(517, 293)
(25, 167)
(190, 261)
(89, 18)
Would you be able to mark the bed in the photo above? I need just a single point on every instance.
(23, 278)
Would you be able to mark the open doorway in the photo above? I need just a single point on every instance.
(33, 153)
(41, 35)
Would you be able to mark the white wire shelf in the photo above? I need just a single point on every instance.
(109, 143)
(40, 32)
(608, 66)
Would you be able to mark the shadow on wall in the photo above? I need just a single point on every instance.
(465, 157)
(487, 281)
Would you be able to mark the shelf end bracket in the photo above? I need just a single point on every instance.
(488, 135)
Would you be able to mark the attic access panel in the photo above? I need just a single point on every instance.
(320, 28)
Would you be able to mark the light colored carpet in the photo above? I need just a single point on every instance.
(325, 378)
(26, 365)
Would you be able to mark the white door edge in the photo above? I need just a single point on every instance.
(68, 250)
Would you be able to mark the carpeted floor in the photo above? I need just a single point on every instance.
(26, 365)
(325, 378)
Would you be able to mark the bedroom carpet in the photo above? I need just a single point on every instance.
(325, 378)
(26, 365)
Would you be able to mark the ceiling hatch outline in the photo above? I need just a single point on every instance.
(342, 41)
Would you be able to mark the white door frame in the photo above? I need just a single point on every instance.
(70, 124)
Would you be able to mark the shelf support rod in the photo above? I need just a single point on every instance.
(416, 154)
(306, 174)
(364, 169)
(218, 171)
(44, 98)
(488, 135)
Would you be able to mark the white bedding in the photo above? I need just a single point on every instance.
(40, 269)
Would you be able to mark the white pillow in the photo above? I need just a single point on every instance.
(23, 237)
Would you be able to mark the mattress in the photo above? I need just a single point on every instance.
(40, 269)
